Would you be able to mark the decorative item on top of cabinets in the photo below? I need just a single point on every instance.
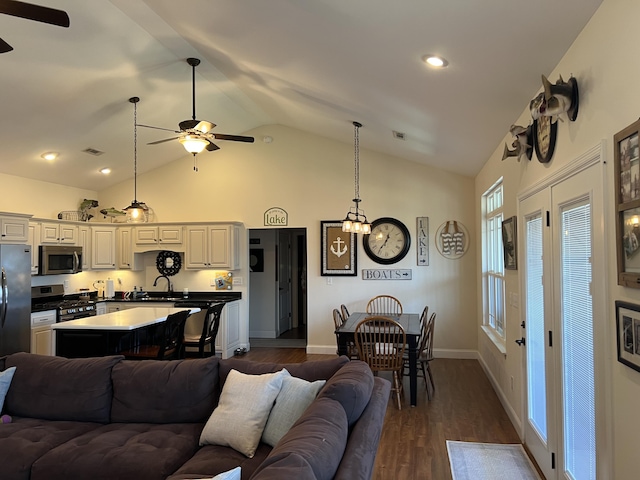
(388, 242)
(82, 214)
(113, 213)
(546, 108)
(452, 239)
(168, 263)
(522, 145)
(627, 199)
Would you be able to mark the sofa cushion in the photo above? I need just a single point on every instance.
(140, 451)
(177, 391)
(25, 440)
(245, 403)
(295, 396)
(211, 460)
(313, 448)
(309, 371)
(5, 382)
(56, 388)
(351, 386)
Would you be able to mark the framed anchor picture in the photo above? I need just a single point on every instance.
(338, 250)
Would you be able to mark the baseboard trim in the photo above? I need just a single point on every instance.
(321, 349)
(459, 354)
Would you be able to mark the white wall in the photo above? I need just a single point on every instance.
(603, 59)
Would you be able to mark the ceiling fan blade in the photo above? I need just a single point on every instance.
(212, 147)
(235, 138)
(34, 12)
(204, 126)
(157, 128)
(162, 141)
(188, 124)
(5, 47)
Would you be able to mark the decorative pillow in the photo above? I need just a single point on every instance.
(5, 381)
(243, 410)
(234, 474)
(294, 398)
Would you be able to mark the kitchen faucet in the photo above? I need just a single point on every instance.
(169, 286)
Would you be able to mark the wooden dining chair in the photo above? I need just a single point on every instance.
(344, 311)
(381, 344)
(338, 320)
(425, 352)
(210, 327)
(384, 305)
(169, 341)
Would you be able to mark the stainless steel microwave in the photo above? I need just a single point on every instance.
(59, 259)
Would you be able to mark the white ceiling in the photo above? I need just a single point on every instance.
(313, 65)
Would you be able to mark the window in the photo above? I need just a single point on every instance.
(493, 261)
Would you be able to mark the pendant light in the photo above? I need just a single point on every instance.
(356, 220)
(137, 211)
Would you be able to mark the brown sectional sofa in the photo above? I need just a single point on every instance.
(109, 418)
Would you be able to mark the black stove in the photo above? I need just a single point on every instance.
(68, 307)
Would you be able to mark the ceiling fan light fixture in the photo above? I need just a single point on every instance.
(193, 143)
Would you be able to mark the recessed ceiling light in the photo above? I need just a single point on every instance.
(435, 61)
(105, 170)
(50, 155)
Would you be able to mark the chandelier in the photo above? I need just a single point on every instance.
(137, 212)
(356, 220)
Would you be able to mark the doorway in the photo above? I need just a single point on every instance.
(277, 287)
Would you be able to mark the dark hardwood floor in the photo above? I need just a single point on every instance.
(413, 444)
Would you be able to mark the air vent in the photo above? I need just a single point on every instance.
(93, 151)
(398, 135)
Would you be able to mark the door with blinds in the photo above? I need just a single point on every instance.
(564, 314)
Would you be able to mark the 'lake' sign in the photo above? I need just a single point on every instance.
(276, 217)
(386, 274)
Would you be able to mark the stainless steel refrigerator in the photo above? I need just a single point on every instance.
(15, 299)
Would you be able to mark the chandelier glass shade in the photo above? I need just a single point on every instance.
(137, 212)
(356, 220)
(193, 143)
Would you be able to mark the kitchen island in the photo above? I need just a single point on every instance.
(110, 333)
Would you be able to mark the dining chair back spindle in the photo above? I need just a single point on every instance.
(384, 305)
(426, 355)
(344, 311)
(381, 344)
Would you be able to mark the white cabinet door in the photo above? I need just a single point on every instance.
(58, 233)
(84, 241)
(103, 248)
(197, 255)
(210, 246)
(125, 253)
(169, 236)
(101, 308)
(42, 342)
(33, 235)
(14, 229)
(220, 246)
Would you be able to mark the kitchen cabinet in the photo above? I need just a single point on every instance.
(169, 237)
(101, 308)
(228, 338)
(14, 228)
(58, 234)
(42, 340)
(127, 259)
(103, 247)
(84, 241)
(32, 240)
(212, 246)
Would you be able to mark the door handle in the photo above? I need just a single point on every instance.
(520, 341)
(5, 297)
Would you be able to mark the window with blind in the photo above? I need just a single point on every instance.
(493, 284)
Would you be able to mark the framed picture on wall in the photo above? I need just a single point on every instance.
(627, 199)
(338, 250)
(628, 333)
(510, 243)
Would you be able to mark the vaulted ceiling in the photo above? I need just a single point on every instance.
(313, 65)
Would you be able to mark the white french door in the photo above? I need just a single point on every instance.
(563, 252)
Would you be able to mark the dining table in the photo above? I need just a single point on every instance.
(410, 322)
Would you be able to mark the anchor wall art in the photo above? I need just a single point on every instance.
(338, 250)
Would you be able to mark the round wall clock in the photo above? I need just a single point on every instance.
(544, 138)
(388, 242)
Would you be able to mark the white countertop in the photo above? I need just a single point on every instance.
(122, 320)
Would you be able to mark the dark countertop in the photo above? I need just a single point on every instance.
(176, 297)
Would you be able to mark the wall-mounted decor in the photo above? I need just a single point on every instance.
(224, 281)
(276, 217)
(386, 274)
(256, 260)
(422, 241)
(168, 263)
(388, 242)
(510, 243)
(338, 250)
(628, 333)
(452, 239)
(627, 200)
(522, 144)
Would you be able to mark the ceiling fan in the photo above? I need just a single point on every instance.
(31, 12)
(195, 135)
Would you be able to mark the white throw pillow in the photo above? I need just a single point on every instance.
(234, 474)
(295, 396)
(242, 412)
(5, 382)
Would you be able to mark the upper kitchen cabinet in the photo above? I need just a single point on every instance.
(33, 237)
(58, 233)
(103, 247)
(169, 237)
(127, 259)
(84, 241)
(212, 246)
(14, 228)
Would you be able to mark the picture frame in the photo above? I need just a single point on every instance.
(628, 334)
(626, 152)
(338, 250)
(510, 243)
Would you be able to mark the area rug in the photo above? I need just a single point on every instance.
(489, 461)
